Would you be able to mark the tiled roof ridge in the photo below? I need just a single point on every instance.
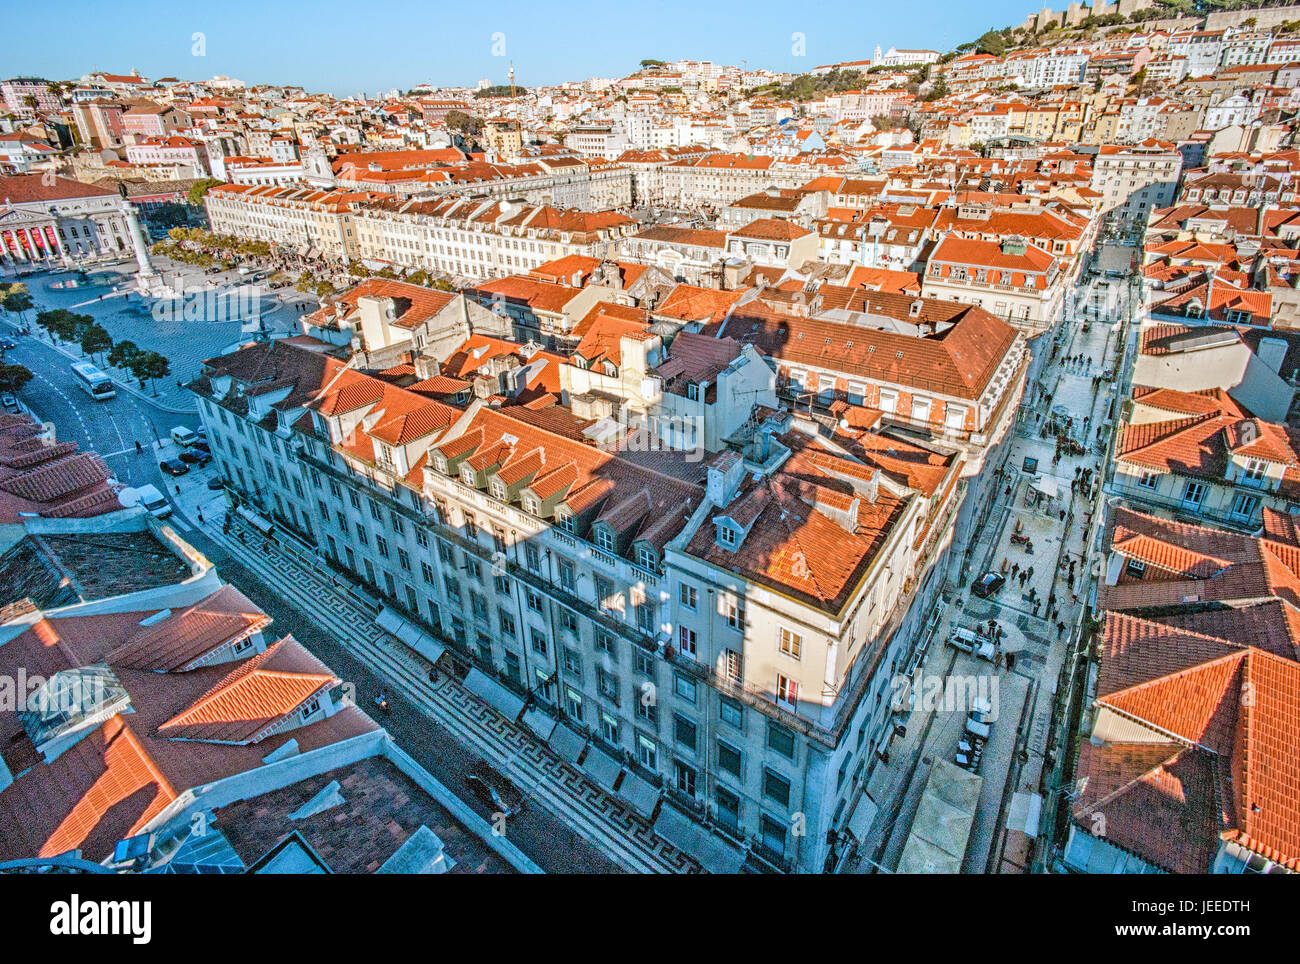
(1167, 681)
(1121, 789)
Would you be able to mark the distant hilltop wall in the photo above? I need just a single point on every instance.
(1263, 17)
(1076, 13)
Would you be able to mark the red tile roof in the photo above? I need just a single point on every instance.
(259, 694)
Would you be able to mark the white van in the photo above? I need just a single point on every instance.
(183, 436)
(964, 639)
(154, 501)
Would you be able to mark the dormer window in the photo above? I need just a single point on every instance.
(647, 558)
(564, 521)
(467, 474)
(693, 392)
(531, 505)
(498, 490)
(605, 538)
(727, 536)
(440, 463)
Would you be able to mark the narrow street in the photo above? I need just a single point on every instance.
(1045, 503)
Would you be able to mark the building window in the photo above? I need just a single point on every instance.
(686, 640)
(731, 666)
(791, 643)
(573, 664)
(605, 538)
(732, 712)
(647, 753)
(573, 704)
(609, 729)
(685, 688)
(787, 692)
(776, 787)
(689, 597)
(780, 739)
(685, 732)
(685, 778)
(735, 615)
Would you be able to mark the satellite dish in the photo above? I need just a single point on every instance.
(128, 497)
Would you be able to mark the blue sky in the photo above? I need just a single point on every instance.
(374, 45)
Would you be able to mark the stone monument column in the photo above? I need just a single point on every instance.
(138, 244)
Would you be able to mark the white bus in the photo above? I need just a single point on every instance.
(94, 382)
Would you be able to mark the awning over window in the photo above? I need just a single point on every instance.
(494, 694)
(641, 794)
(601, 767)
(539, 721)
(258, 522)
(566, 743)
(390, 620)
(715, 855)
(863, 816)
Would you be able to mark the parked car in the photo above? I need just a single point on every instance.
(6, 344)
(976, 728)
(9, 402)
(495, 792)
(216, 483)
(964, 639)
(987, 584)
(173, 467)
(183, 436)
(201, 446)
(194, 457)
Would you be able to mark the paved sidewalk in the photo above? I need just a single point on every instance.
(294, 572)
(186, 344)
(1037, 635)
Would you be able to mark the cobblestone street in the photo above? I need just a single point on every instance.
(1045, 497)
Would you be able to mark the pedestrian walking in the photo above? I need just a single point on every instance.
(1022, 578)
(138, 447)
(199, 513)
(1030, 572)
(1015, 568)
(1011, 660)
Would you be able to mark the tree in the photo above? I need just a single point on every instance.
(60, 323)
(938, 89)
(458, 120)
(199, 188)
(120, 355)
(94, 339)
(993, 43)
(16, 300)
(13, 377)
(151, 366)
